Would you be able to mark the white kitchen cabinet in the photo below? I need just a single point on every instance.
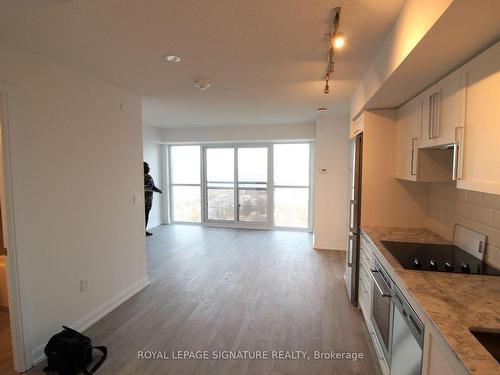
(407, 136)
(412, 163)
(365, 280)
(479, 139)
(365, 297)
(356, 126)
(438, 359)
(442, 111)
(426, 129)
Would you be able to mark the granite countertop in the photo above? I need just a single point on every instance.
(453, 302)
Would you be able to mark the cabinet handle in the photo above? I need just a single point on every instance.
(430, 116)
(353, 215)
(413, 151)
(436, 114)
(458, 153)
(350, 248)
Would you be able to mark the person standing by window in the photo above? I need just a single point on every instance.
(149, 189)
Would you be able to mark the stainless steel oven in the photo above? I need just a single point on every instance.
(381, 314)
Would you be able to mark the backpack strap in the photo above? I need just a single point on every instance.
(104, 352)
(74, 332)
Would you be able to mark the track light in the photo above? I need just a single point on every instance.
(336, 42)
(339, 42)
(327, 88)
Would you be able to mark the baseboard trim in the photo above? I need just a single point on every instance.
(89, 320)
(329, 246)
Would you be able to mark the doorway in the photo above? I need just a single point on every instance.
(15, 350)
(6, 355)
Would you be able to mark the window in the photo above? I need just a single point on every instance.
(185, 183)
(252, 184)
(291, 185)
(256, 185)
(220, 183)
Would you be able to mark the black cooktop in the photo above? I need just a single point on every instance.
(437, 258)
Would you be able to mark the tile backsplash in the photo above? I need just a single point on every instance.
(448, 205)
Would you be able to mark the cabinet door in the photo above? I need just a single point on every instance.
(480, 152)
(407, 135)
(437, 361)
(449, 111)
(426, 129)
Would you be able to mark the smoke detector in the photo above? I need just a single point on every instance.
(202, 84)
(173, 58)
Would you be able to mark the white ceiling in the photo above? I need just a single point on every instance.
(265, 57)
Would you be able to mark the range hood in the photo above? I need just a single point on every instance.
(438, 163)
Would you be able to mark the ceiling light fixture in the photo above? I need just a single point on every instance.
(336, 41)
(202, 84)
(322, 109)
(173, 58)
(339, 42)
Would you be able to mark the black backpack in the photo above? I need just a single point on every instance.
(69, 353)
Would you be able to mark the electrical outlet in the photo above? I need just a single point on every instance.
(84, 285)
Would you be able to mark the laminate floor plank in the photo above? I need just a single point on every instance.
(231, 289)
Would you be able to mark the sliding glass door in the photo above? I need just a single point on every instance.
(252, 184)
(246, 185)
(236, 185)
(219, 182)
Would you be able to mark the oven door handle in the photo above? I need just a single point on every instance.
(375, 277)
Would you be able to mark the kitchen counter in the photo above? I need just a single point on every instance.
(453, 302)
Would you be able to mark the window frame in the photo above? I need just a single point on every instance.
(270, 224)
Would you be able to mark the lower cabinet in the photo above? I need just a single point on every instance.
(365, 298)
(438, 358)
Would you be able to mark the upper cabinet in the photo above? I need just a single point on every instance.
(412, 163)
(479, 139)
(407, 136)
(458, 135)
(442, 111)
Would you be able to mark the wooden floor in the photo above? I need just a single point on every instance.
(6, 364)
(229, 289)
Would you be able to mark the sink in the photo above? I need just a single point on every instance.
(490, 339)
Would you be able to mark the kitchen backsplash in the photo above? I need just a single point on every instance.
(479, 211)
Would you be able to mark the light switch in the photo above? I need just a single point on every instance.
(136, 199)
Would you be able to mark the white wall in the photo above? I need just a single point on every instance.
(236, 133)
(152, 134)
(153, 156)
(331, 188)
(76, 163)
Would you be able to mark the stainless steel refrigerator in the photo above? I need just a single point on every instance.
(354, 215)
